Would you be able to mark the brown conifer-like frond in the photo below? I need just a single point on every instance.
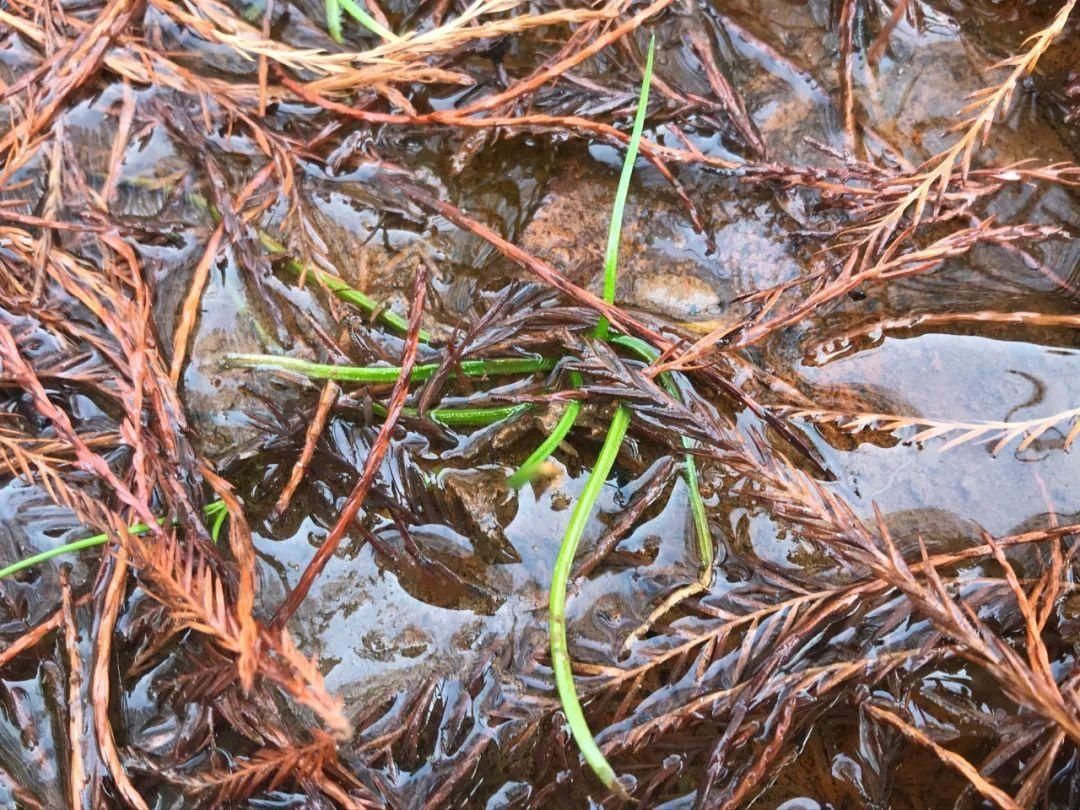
(953, 760)
(1000, 434)
(875, 330)
(892, 264)
(399, 61)
(267, 769)
(36, 462)
(985, 108)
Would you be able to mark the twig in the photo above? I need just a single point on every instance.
(371, 465)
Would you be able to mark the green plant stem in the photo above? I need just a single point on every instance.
(335, 284)
(566, 422)
(706, 552)
(214, 510)
(461, 417)
(611, 267)
(611, 253)
(333, 20)
(376, 375)
(560, 653)
(362, 17)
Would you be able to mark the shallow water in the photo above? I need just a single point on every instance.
(452, 618)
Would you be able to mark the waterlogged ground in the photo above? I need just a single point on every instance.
(451, 617)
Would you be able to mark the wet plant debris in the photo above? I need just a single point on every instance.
(508, 405)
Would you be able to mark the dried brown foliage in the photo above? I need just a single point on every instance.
(722, 683)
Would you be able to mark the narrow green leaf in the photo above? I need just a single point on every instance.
(702, 534)
(611, 254)
(565, 424)
(560, 652)
(461, 417)
(214, 510)
(365, 19)
(333, 19)
(385, 375)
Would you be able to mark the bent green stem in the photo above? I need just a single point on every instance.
(566, 422)
(611, 269)
(215, 510)
(333, 20)
(385, 375)
(337, 286)
(358, 14)
(560, 653)
(706, 552)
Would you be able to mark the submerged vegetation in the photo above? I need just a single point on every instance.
(408, 492)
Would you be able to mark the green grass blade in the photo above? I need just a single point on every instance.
(611, 254)
(560, 652)
(365, 19)
(333, 20)
(216, 510)
(385, 375)
(67, 548)
(565, 424)
(705, 546)
(342, 290)
(461, 417)
(611, 265)
(335, 284)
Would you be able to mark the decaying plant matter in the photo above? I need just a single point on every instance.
(710, 684)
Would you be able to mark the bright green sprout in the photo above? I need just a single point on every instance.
(333, 20)
(566, 422)
(620, 422)
(336, 285)
(560, 652)
(216, 511)
(697, 504)
(611, 260)
(385, 375)
(461, 417)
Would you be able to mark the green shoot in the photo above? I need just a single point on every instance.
(611, 262)
(620, 422)
(611, 254)
(215, 510)
(336, 285)
(566, 422)
(386, 375)
(649, 353)
(461, 417)
(342, 290)
(333, 20)
(560, 652)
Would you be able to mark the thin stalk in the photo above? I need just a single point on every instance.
(620, 422)
(560, 652)
(611, 253)
(341, 289)
(214, 510)
(362, 17)
(460, 417)
(333, 20)
(705, 547)
(333, 283)
(379, 375)
(611, 267)
(566, 422)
